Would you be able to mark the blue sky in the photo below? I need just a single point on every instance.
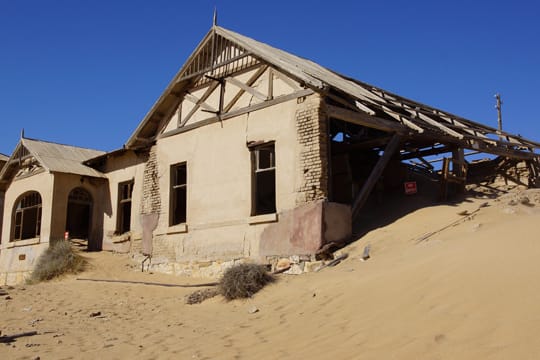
(86, 72)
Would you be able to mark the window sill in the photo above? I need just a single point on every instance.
(176, 229)
(25, 242)
(260, 219)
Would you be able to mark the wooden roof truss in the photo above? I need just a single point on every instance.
(380, 109)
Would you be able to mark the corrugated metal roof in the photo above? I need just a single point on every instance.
(62, 158)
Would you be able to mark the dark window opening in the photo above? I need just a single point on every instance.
(263, 179)
(27, 217)
(178, 194)
(125, 190)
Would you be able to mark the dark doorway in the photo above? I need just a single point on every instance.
(79, 211)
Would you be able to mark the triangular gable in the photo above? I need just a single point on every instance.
(217, 56)
(20, 159)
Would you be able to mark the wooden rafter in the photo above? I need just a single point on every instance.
(249, 82)
(363, 119)
(425, 152)
(270, 93)
(287, 80)
(199, 103)
(437, 124)
(247, 88)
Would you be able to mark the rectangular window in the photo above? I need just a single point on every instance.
(178, 194)
(125, 191)
(263, 179)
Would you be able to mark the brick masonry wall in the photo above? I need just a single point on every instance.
(151, 200)
(311, 126)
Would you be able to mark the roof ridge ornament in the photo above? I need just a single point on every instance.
(214, 19)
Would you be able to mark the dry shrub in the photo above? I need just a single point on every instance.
(244, 280)
(199, 296)
(58, 259)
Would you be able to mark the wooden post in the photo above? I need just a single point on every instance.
(499, 114)
(458, 159)
(362, 197)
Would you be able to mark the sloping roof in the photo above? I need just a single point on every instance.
(4, 157)
(373, 106)
(55, 157)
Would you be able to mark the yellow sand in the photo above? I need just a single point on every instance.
(471, 291)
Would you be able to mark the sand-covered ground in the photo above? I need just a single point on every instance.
(470, 291)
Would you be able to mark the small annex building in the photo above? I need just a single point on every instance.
(47, 190)
(250, 152)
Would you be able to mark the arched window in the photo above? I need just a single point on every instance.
(80, 196)
(27, 216)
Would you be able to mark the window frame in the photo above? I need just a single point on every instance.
(120, 218)
(175, 185)
(256, 171)
(18, 216)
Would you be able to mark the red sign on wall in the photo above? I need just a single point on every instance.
(410, 187)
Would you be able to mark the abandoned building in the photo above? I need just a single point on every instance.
(250, 152)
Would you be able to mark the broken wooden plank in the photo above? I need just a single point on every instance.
(149, 283)
(6, 339)
(333, 262)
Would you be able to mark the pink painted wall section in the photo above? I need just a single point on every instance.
(337, 222)
(297, 232)
(305, 229)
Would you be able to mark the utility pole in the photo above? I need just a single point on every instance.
(499, 114)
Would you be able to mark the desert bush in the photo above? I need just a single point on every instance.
(58, 259)
(199, 296)
(244, 280)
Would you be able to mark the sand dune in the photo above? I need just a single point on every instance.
(468, 292)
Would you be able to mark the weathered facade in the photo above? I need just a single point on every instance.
(48, 191)
(250, 152)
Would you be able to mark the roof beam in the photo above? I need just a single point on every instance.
(437, 124)
(247, 88)
(363, 119)
(199, 102)
(249, 82)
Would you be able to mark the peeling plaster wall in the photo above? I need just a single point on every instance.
(118, 169)
(219, 224)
